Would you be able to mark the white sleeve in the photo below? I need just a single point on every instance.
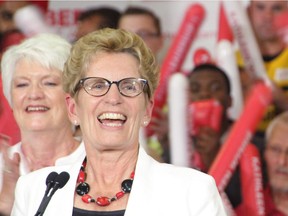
(19, 201)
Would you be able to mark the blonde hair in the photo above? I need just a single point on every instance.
(109, 41)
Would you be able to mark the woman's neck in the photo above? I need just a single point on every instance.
(42, 149)
(111, 166)
(271, 48)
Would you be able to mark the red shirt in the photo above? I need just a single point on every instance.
(270, 208)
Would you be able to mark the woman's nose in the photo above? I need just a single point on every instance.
(35, 92)
(113, 96)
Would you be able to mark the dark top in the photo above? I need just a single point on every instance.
(82, 212)
(233, 188)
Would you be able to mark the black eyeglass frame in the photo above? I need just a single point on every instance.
(81, 84)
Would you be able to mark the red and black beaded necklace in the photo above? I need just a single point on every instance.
(83, 188)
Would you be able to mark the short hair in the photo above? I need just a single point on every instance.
(212, 67)
(49, 50)
(133, 10)
(281, 118)
(110, 16)
(109, 41)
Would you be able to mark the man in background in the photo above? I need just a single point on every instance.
(276, 160)
(96, 18)
(8, 9)
(262, 15)
(144, 23)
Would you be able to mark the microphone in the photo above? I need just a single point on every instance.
(60, 182)
(54, 181)
(50, 182)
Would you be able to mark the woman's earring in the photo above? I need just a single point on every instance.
(145, 123)
(75, 123)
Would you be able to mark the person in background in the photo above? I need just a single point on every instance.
(276, 160)
(8, 9)
(275, 167)
(11, 35)
(146, 24)
(32, 84)
(110, 79)
(96, 18)
(262, 15)
(206, 82)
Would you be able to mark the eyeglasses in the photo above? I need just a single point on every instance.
(97, 86)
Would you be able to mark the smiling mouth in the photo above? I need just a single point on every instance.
(36, 109)
(112, 119)
(282, 171)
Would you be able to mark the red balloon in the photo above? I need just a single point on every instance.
(176, 55)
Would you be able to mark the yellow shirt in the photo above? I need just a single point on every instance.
(277, 70)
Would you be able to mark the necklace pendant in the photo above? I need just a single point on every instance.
(126, 185)
(103, 201)
(82, 188)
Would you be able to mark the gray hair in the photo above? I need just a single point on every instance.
(279, 119)
(49, 50)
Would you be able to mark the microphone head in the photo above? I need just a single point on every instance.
(51, 177)
(62, 179)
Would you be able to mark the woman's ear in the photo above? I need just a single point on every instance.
(71, 109)
(148, 112)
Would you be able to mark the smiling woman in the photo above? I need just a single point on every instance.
(32, 84)
(116, 175)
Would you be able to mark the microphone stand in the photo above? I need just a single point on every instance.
(60, 182)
